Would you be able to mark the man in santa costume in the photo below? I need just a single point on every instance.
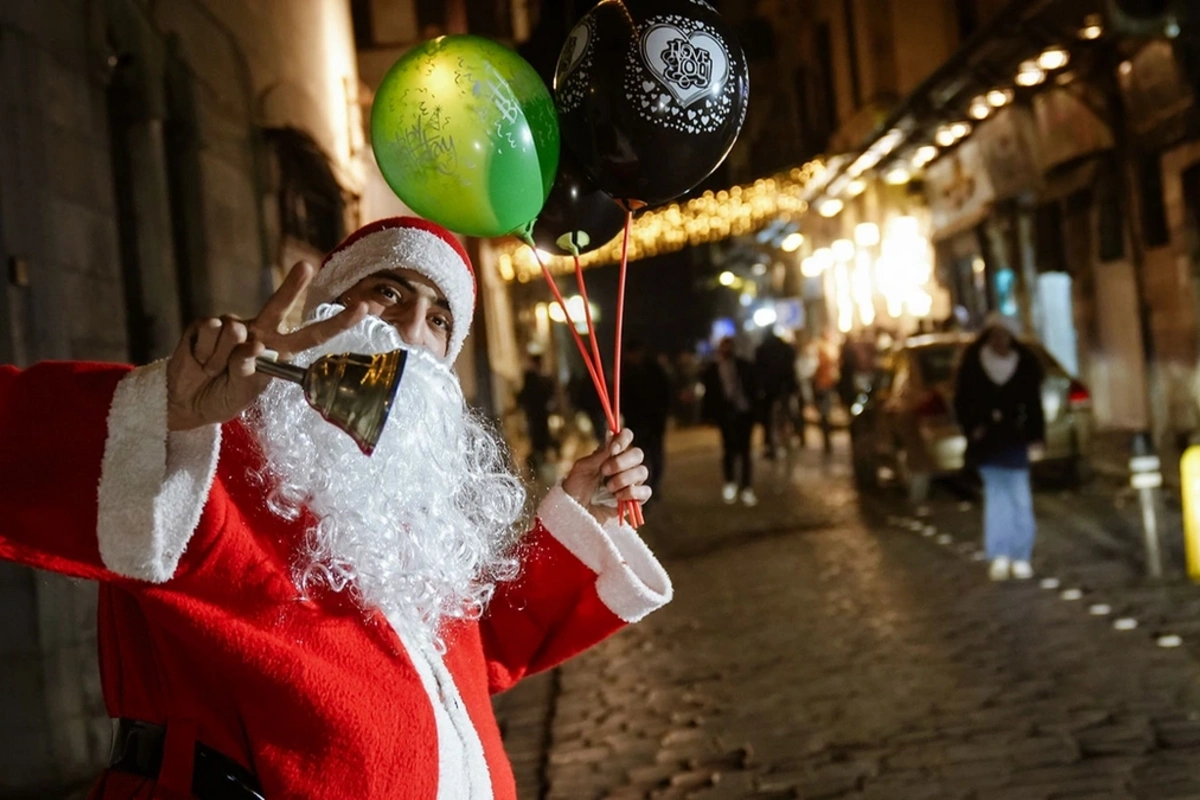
(280, 615)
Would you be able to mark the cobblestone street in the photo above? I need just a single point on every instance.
(823, 646)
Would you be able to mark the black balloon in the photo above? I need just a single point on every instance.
(576, 208)
(651, 96)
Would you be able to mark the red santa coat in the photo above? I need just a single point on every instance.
(201, 628)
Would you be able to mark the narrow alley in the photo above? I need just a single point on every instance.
(823, 645)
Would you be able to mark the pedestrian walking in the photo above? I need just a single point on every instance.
(857, 366)
(686, 372)
(775, 367)
(729, 393)
(998, 400)
(646, 406)
(806, 373)
(536, 398)
(825, 382)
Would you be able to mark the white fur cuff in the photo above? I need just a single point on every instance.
(630, 580)
(153, 484)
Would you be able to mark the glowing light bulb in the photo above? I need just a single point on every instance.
(999, 98)
(866, 234)
(765, 316)
(924, 155)
(824, 259)
(1053, 58)
(811, 267)
(830, 208)
(1030, 74)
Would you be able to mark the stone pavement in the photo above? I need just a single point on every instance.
(825, 645)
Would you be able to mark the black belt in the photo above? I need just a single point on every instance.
(138, 749)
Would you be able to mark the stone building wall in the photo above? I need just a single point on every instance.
(137, 192)
(63, 299)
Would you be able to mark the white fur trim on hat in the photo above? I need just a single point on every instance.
(401, 248)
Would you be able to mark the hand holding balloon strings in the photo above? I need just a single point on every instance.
(648, 128)
(591, 361)
(576, 218)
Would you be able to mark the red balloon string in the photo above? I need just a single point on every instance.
(591, 327)
(595, 369)
(597, 381)
(636, 516)
(634, 508)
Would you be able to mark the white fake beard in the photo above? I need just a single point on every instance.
(425, 527)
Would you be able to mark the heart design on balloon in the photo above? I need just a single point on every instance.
(690, 65)
(574, 51)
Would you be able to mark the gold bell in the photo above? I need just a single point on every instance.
(352, 391)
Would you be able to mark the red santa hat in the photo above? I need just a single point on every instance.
(402, 243)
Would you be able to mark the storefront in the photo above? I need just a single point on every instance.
(961, 197)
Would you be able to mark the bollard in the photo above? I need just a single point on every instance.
(1145, 475)
(1189, 474)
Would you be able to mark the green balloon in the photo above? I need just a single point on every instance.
(465, 132)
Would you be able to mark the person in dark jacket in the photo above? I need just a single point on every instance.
(646, 406)
(536, 398)
(775, 362)
(729, 395)
(998, 400)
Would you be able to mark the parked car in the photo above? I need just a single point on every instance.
(905, 419)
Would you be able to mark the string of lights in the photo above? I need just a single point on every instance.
(738, 211)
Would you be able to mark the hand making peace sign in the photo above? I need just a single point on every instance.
(211, 375)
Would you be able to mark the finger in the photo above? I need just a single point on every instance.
(233, 333)
(204, 339)
(320, 332)
(626, 479)
(241, 360)
(625, 461)
(640, 493)
(621, 442)
(186, 346)
(281, 303)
